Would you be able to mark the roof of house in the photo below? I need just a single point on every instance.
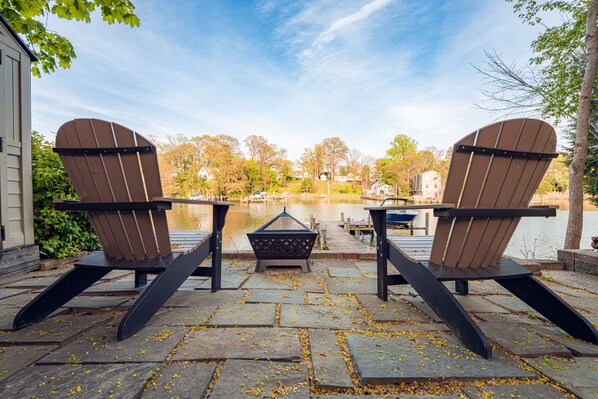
(18, 39)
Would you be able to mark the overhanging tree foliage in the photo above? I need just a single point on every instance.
(559, 83)
(29, 18)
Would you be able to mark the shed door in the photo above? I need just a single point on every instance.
(11, 182)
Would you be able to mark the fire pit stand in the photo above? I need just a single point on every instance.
(283, 241)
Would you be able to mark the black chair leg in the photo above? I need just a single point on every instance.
(462, 287)
(439, 298)
(63, 290)
(140, 279)
(546, 302)
(156, 294)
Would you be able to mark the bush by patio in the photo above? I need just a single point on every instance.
(59, 234)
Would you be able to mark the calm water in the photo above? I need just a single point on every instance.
(535, 237)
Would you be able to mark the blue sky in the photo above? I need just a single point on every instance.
(293, 72)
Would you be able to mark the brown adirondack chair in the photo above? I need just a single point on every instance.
(115, 173)
(494, 173)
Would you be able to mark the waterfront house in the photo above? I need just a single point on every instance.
(427, 185)
(381, 188)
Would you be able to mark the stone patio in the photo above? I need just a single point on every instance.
(288, 334)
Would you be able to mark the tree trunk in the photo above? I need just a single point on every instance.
(580, 153)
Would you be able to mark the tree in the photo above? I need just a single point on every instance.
(563, 75)
(334, 150)
(30, 19)
(401, 164)
(312, 160)
(590, 180)
(556, 177)
(226, 163)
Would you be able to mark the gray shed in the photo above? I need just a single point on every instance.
(17, 250)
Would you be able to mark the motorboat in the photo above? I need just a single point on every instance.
(401, 216)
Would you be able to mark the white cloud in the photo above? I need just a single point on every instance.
(337, 26)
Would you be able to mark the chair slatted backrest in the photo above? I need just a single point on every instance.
(116, 178)
(477, 180)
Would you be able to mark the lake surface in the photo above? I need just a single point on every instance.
(534, 237)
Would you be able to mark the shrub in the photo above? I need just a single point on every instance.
(59, 234)
(307, 186)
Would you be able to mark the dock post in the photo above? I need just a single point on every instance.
(342, 217)
(323, 235)
(358, 233)
(348, 225)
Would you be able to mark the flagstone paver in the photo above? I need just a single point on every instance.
(116, 381)
(57, 330)
(188, 317)
(401, 359)
(522, 391)
(152, 344)
(427, 397)
(270, 281)
(231, 280)
(122, 287)
(510, 302)
(7, 316)
(422, 306)
(404, 289)
(579, 375)
(510, 318)
(314, 316)
(8, 292)
(563, 289)
(576, 346)
(356, 397)
(521, 341)
(183, 299)
(251, 378)
(327, 263)
(17, 300)
(241, 343)
(309, 283)
(245, 315)
(483, 287)
(190, 380)
(351, 271)
(392, 310)
(117, 275)
(342, 301)
(477, 304)
(367, 267)
(345, 285)
(15, 358)
(34, 282)
(416, 327)
(584, 305)
(275, 296)
(588, 282)
(91, 303)
(330, 369)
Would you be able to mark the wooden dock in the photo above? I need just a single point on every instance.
(339, 240)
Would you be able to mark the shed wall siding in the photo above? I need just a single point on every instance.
(16, 208)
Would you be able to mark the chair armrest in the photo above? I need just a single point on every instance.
(545, 206)
(191, 201)
(417, 206)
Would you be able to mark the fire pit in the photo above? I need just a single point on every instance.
(283, 241)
